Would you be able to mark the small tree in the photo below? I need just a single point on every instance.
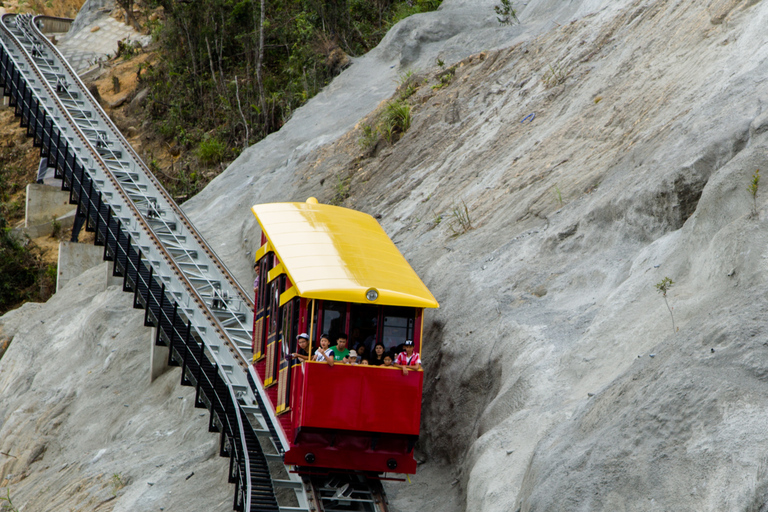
(753, 186)
(127, 6)
(663, 287)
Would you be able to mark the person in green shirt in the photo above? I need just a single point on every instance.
(340, 350)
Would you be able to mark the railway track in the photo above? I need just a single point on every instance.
(197, 307)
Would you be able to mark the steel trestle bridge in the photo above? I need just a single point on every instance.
(197, 308)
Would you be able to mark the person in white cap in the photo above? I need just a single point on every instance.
(301, 353)
(408, 360)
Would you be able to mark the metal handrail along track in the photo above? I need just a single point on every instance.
(147, 253)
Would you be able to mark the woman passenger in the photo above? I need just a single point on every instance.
(377, 358)
(323, 352)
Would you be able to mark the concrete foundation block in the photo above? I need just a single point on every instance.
(158, 359)
(110, 279)
(74, 259)
(45, 203)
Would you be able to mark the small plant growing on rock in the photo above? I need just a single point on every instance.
(396, 120)
(663, 287)
(558, 195)
(460, 220)
(55, 228)
(506, 13)
(554, 76)
(753, 186)
(445, 79)
(341, 190)
(117, 483)
(8, 504)
(368, 138)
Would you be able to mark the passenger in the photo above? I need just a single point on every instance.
(301, 352)
(377, 358)
(362, 353)
(323, 353)
(353, 357)
(387, 360)
(408, 360)
(340, 350)
(256, 281)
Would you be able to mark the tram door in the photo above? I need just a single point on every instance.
(273, 330)
(288, 346)
(259, 318)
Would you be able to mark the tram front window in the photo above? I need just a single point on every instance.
(364, 321)
(398, 326)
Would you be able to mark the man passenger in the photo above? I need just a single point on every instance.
(340, 350)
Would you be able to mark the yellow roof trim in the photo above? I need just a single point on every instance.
(263, 250)
(334, 253)
(276, 271)
(288, 294)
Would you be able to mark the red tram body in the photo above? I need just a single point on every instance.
(326, 269)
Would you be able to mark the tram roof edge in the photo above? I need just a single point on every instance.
(335, 253)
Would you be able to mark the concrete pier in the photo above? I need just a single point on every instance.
(158, 358)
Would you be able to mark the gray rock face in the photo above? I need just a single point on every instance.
(91, 12)
(649, 121)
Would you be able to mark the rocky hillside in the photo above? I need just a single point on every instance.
(554, 172)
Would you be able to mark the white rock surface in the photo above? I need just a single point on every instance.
(634, 168)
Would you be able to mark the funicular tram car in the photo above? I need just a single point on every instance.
(327, 269)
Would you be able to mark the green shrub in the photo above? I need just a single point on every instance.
(211, 151)
(19, 269)
(368, 138)
(395, 120)
(506, 13)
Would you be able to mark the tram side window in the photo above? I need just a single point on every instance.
(262, 292)
(290, 326)
(398, 326)
(334, 319)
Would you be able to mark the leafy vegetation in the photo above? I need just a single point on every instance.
(506, 13)
(232, 71)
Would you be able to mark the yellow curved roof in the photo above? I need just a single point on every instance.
(335, 253)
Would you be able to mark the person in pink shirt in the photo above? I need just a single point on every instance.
(408, 360)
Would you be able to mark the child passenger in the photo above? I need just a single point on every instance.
(387, 360)
(324, 353)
